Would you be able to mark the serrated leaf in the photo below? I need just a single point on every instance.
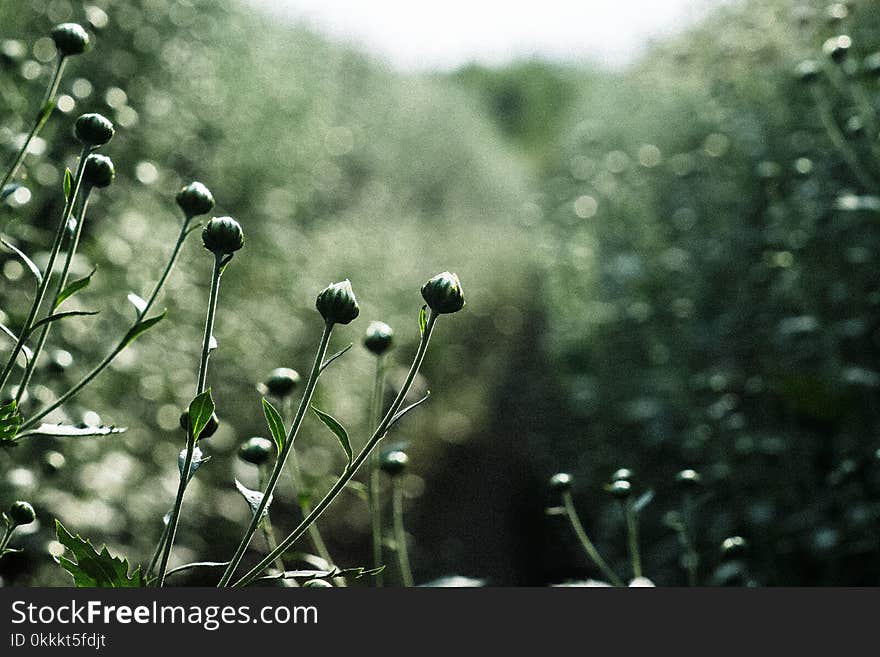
(337, 429)
(198, 460)
(253, 497)
(27, 261)
(400, 414)
(423, 320)
(338, 354)
(74, 287)
(69, 431)
(141, 327)
(68, 184)
(276, 424)
(200, 410)
(62, 315)
(643, 501)
(139, 303)
(93, 568)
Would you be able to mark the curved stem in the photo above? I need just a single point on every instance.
(585, 541)
(373, 492)
(358, 461)
(190, 437)
(632, 530)
(43, 116)
(282, 458)
(47, 275)
(400, 533)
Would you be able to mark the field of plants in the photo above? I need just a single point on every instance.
(276, 315)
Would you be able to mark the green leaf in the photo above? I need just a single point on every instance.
(59, 316)
(200, 410)
(28, 354)
(276, 424)
(253, 497)
(338, 354)
(69, 431)
(27, 261)
(74, 287)
(92, 568)
(68, 184)
(332, 573)
(406, 410)
(142, 327)
(337, 429)
(423, 320)
(10, 421)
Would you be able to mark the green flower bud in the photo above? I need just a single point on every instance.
(99, 171)
(195, 199)
(21, 513)
(733, 546)
(93, 129)
(624, 474)
(621, 489)
(378, 338)
(317, 584)
(256, 450)
(337, 304)
(222, 236)
(281, 382)
(393, 462)
(443, 293)
(561, 482)
(808, 71)
(871, 65)
(70, 39)
(688, 478)
(210, 428)
(837, 48)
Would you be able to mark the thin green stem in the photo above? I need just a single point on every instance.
(282, 457)
(585, 541)
(632, 530)
(157, 552)
(44, 113)
(400, 533)
(358, 461)
(373, 491)
(268, 530)
(7, 536)
(190, 436)
(47, 275)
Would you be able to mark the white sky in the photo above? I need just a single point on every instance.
(418, 34)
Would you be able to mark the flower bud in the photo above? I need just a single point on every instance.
(688, 478)
(222, 236)
(443, 293)
(99, 171)
(209, 430)
(623, 474)
(21, 513)
(808, 71)
(393, 462)
(561, 482)
(733, 546)
(337, 304)
(837, 48)
(281, 382)
(256, 450)
(195, 199)
(93, 129)
(317, 584)
(621, 489)
(378, 338)
(70, 39)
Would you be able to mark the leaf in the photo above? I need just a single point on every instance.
(423, 320)
(338, 354)
(276, 424)
(27, 261)
(69, 431)
(643, 501)
(74, 287)
(197, 461)
(253, 497)
(10, 421)
(400, 414)
(68, 184)
(337, 429)
(28, 354)
(356, 572)
(92, 568)
(141, 327)
(200, 410)
(198, 564)
(136, 301)
(62, 315)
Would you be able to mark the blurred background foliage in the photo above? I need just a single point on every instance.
(666, 268)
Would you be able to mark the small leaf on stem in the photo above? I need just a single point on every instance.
(141, 327)
(423, 320)
(62, 315)
(27, 261)
(338, 354)
(276, 424)
(68, 184)
(200, 410)
(74, 287)
(197, 461)
(253, 497)
(337, 429)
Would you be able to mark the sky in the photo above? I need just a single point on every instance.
(419, 35)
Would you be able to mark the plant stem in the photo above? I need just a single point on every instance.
(59, 288)
(269, 532)
(585, 541)
(47, 275)
(7, 536)
(190, 436)
(157, 552)
(100, 367)
(373, 492)
(43, 116)
(282, 457)
(358, 461)
(400, 533)
(691, 557)
(632, 530)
